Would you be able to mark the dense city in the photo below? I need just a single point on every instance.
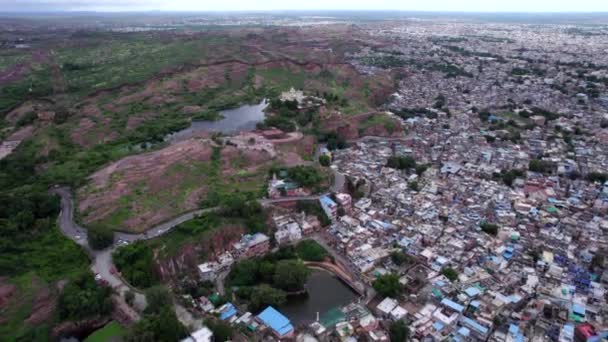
(445, 180)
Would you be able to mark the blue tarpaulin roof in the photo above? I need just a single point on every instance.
(228, 312)
(438, 326)
(578, 309)
(276, 321)
(452, 305)
(473, 324)
(464, 331)
(472, 291)
(326, 201)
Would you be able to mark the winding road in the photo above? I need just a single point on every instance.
(102, 264)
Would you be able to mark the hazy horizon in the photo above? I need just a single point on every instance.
(463, 6)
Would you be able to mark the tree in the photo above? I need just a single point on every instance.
(264, 295)
(135, 262)
(401, 162)
(387, 285)
(399, 332)
(541, 166)
(244, 273)
(597, 177)
(157, 298)
(82, 298)
(221, 331)
(161, 326)
(400, 258)
(420, 169)
(509, 176)
(450, 273)
(310, 250)
(100, 238)
(489, 228)
(324, 160)
(291, 275)
(129, 297)
(414, 186)
(307, 176)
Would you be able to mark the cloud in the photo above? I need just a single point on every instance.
(214, 5)
(78, 5)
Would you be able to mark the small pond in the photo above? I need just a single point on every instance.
(243, 118)
(325, 292)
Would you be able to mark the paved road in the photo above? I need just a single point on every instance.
(346, 264)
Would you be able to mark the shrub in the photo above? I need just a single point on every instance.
(100, 238)
(324, 160)
(489, 228)
(541, 166)
(310, 250)
(450, 273)
(387, 285)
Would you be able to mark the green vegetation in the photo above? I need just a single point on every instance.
(222, 331)
(31, 241)
(161, 325)
(597, 177)
(109, 332)
(100, 238)
(531, 71)
(399, 331)
(509, 176)
(306, 176)
(35, 85)
(261, 296)
(383, 120)
(135, 262)
(400, 258)
(384, 61)
(414, 186)
(388, 285)
(159, 322)
(409, 113)
(314, 208)
(83, 298)
(310, 250)
(450, 273)
(324, 160)
(157, 297)
(541, 166)
(266, 281)
(401, 162)
(489, 228)
(333, 140)
(290, 275)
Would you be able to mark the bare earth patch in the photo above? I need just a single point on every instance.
(138, 192)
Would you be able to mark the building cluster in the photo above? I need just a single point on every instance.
(528, 259)
(291, 228)
(249, 246)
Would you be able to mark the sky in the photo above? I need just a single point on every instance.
(266, 5)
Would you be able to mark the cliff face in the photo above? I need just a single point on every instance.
(185, 261)
(190, 255)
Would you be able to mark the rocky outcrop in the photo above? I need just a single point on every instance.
(79, 328)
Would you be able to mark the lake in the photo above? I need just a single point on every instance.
(325, 292)
(243, 118)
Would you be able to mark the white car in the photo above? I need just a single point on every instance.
(97, 277)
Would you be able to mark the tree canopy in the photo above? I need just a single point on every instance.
(100, 238)
(310, 250)
(399, 332)
(83, 297)
(291, 275)
(387, 285)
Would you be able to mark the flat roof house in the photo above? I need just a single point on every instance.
(279, 324)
